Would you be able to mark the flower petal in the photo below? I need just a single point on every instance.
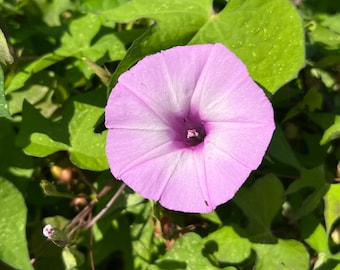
(225, 175)
(186, 190)
(246, 143)
(166, 80)
(173, 181)
(126, 148)
(125, 110)
(225, 91)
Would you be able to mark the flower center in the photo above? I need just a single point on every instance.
(189, 130)
(194, 133)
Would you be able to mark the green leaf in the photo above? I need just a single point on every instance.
(75, 42)
(38, 95)
(310, 203)
(74, 133)
(4, 112)
(212, 217)
(143, 236)
(331, 133)
(38, 136)
(333, 22)
(5, 56)
(107, 229)
(167, 30)
(322, 34)
(285, 255)
(13, 244)
(314, 234)
(326, 77)
(315, 154)
(21, 77)
(323, 120)
(51, 10)
(272, 48)
(186, 253)
(78, 44)
(326, 30)
(332, 207)
(15, 165)
(78, 37)
(227, 246)
(106, 49)
(260, 203)
(249, 28)
(312, 178)
(312, 101)
(281, 151)
(72, 258)
(58, 222)
(95, 5)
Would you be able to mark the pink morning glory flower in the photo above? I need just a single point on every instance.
(186, 126)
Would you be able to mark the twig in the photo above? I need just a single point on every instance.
(88, 209)
(107, 206)
(91, 247)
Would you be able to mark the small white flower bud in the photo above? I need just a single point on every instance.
(49, 231)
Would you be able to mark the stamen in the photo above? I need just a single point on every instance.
(192, 133)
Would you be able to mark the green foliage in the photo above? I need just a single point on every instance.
(3, 103)
(332, 208)
(13, 248)
(58, 57)
(254, 203)
(186, 254)
(227, 247)
(5, 57)
(74, 133)
(166, 20)
(241, 26)
(272, 48)
(286, 254)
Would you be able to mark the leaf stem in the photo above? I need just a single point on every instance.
(107, 206)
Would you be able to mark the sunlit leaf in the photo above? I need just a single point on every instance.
(72, 258)
(74, 133)
(265, 44)
(272, 49)
(227, 246)
(4, 112)
(21, 77)
(76, 42)
(5, 55)
(285, 255)
(167, 30)
(186, 254)
(326, 30)
(13, 211)
(333, 132)
(332, 207)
